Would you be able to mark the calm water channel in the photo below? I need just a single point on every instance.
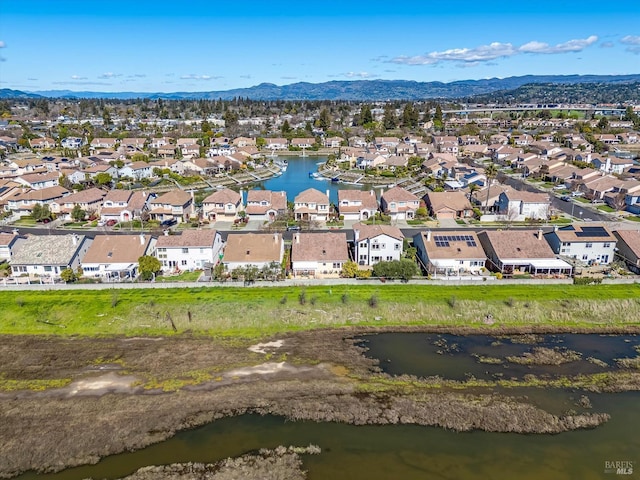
(296, 179)
(413, 452)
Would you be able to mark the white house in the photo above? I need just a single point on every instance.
(377, 243)
(450, 253)
(399, 203)
(222, 204)
(518, 205)
(137, 170)
(593, 244)
(265, 204)
(192, 250)
(312, 205)
(9, 243)
(48, 255)
(357, 204)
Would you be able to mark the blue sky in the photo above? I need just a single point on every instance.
(193, 45)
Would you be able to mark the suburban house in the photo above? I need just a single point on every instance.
(224, 204)
(89, 200)
(94, 170)
(191, 250)
(266, 204)
(319, 254)
(22, 203)
(9, 243)
(276, 143)
(48, 255)
(357, 204)
(370, 160)
(592, 245)
(174, 205)
(399, 203)
(115, 257)
(448, 205)
(42, 143)
(257, 249)
(124, 205)
(450, 253)
(376, 243)
(513, 252)
(311, 205)
(103, 143)
(137, 170)
(38, 181)
(518, 205)
(629, 248)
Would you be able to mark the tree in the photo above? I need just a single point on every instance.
(78, 213)
(473, 188)
(40, 212)
(490, 172)
(103, 179)
(285, 128)
(324, 120)
(219, 272)
(148, 266)
(68, 275)
(389, 120)
(438, 118)
(365, 115)
(410, 116)
(349, 270)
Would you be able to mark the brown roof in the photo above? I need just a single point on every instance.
(517, 244)
(452, 245)
(456, 201)
(311, 195)
(631, 238)
(367, 200)
(117, 249)
(371, 231)
(7, 238)
(188, 238)
(42, 194)
(275, 201)
(525, 196)
(253, 247)
(85, 196)
(326, 246)
(118, 195)
(224, 196)
(174, 197)
(399, 194)
(40, 177)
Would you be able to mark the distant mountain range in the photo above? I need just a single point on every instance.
(358, 90)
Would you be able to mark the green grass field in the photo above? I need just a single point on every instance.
(262, 311)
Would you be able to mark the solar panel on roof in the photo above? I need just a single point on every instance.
(592, 232)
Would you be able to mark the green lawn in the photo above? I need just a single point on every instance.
(183, 277)
(606, 208)
(263, 311)
(633, 218)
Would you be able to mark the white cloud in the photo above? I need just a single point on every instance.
(197, 77)
(607, 45)
(2, 44)
(110, 75)
(359, 75)
(630, 40)
(570, 46)
(77, 77)
(493, 51)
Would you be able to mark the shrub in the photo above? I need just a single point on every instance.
(302, 298)
(373, 301)
(344, 298)
(452, 301)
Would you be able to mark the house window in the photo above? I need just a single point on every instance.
(48, 268)
(589, 245)
(606, 245)
(396, 246)
(389, 258)
(185, 250)
(362, 257)
(363, 245)
(183, 263)
(585, 257)
(337, 265)
(375, 246)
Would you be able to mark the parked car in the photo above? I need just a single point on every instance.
(168, 223)
(565, 198)
(293, 228)
(111, 223)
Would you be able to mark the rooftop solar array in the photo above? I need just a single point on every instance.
(592, 232)
(443, 240)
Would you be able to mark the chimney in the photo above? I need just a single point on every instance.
(275, 238)
(15, 231)
(356, 235)
(297, 236)
(74, 239)
(142, 239)
(327, 193)
(165, 233)
(428, 235)
(555, 228)
(539, 234)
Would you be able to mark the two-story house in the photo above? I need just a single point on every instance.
(191, 250)
(518, 205)
(124, 205)
(357, 204)
(591, 245)
(399, 203)
(257, 249)
(174, 205)
(376, 243)
(224, 204)
(311, 205)
(266, 204)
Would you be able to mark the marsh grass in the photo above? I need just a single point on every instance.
(254, 312)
